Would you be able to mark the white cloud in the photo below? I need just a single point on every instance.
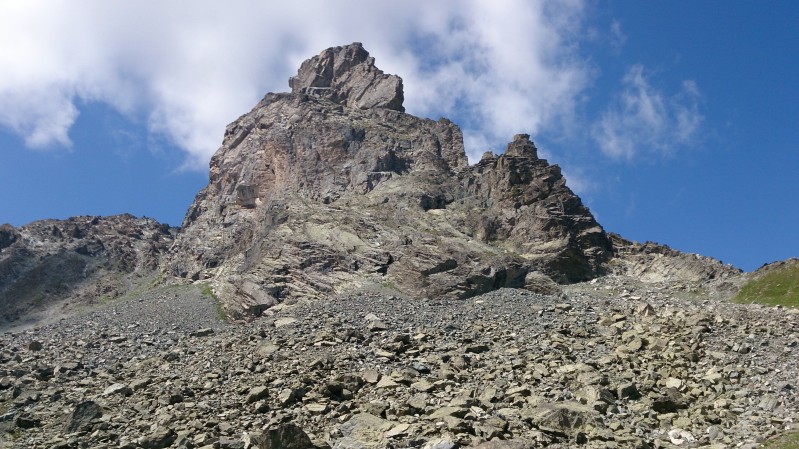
(191, 67)
(643, 119)
(617, 36)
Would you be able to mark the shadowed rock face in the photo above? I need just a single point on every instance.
(332, 187)
(51, 266)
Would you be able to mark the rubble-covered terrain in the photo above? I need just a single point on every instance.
(52, 267)
(603, 364)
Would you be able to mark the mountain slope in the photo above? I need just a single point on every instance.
(52, 266)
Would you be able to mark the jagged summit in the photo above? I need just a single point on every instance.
(330, 188)
(522, 146)
(347, 75)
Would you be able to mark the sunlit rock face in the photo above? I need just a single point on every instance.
(333, 187)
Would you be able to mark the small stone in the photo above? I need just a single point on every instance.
(159, 439)
(285, 436)
(768, 403)
(316, 409)
(371, 376)
(423, 386)
(645, 309)
(569, 418)
(288, 396)
(140, 383)
(674, 383)
(679, 436)
(521, 391)
(377, 326)
(285, 321)
(83, 415)
(477, 349)
(563, 307)
(203, 332)
(628, 391)
(713, 375)
(256, 394)
(506, 444)
(266, 349)
(27, 422)
(440, 443)
(364, 431)
(387, 382)
(120, 389)
(398, 430)
(442, 412)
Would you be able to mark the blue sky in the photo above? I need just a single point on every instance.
(676, 122)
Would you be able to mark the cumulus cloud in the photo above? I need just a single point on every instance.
(642, 119)
(191, 67)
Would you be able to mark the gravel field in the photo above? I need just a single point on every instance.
(613, 363)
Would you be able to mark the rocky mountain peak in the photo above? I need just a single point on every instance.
(332, 188)
(522, 146)
(347, 75)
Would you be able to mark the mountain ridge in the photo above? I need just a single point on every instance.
(333, 187)
(319, 190)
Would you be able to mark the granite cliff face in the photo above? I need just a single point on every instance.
(51, 266)
(332, 187)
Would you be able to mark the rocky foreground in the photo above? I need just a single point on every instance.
(604, 364)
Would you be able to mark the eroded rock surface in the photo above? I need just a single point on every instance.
(319, 191)
(51, 266)
(652, 262)
(347, 75)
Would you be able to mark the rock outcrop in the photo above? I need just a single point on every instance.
(652, 262)
(348, 76)
(50, 266)
(332, 187)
